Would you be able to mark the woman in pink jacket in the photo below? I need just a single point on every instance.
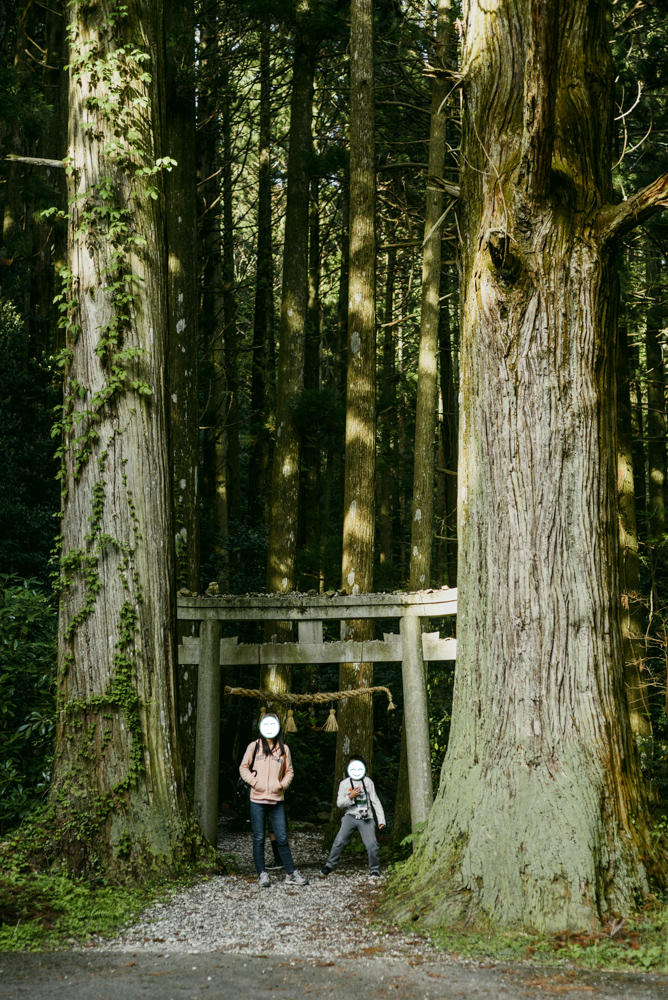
(267, 768)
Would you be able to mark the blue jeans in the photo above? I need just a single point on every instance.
(259, 812)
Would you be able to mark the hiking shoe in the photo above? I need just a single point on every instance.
(326, 871)
(374, 874)
(263, 880)
(296, 879)
(274, 866)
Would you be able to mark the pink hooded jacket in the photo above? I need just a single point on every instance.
(273, 773)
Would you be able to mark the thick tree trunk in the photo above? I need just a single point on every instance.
(310, 517)
(263, 320)
(422, 525)
(118, 783)
(355, 715)
(540, 819)
(294, 308)
(632, 616)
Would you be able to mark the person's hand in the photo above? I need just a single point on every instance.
(354, 792)
(382, 826)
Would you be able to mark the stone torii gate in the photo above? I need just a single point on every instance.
(210, 651)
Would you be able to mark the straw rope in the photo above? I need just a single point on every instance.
(301, 699)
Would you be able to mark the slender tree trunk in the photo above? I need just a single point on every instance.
(215, 534)
(422, 526)
(310, 517)
(183, 339)
(294, 307)
(656, 404)
(355, 715)
(632, 618)
(449, 390)
(263, 321)
(540, 819)
(118, 783)
(637, 432)
(230, 461)
(388, 403)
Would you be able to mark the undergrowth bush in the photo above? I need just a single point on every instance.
(28, 623)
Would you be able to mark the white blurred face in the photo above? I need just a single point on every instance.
(270, 727)
(356, 770)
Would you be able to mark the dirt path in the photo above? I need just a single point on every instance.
(221, 976)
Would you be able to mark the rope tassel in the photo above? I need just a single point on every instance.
(290, 725)
(331, 726)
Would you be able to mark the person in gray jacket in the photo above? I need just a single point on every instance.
(357, 796)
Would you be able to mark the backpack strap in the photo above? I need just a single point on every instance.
(252, 763)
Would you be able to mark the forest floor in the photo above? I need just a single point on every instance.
(225, 938)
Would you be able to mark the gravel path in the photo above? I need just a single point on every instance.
(327, 919)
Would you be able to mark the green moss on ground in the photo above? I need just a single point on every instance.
(639, 944)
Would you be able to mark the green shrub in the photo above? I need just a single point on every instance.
(27, 697)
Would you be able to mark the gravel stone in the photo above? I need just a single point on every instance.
(330, 918)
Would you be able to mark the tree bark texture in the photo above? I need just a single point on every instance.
(422, 525)
(355, 715)
(540, 819)
(118, 782)
(632, 615)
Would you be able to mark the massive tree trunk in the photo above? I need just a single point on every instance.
(263, 318)
(422, 525)
(118, 784)
(540, 819)
(359, 500)
(294, 307)
(632, 616)
(230, 461)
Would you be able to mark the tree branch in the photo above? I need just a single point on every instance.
(615, 220)
(34, 161)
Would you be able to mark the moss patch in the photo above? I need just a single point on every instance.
(637, 944)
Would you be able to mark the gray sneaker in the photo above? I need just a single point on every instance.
(296, 879)
(263, 880)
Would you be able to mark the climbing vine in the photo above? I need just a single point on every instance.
(112, 71)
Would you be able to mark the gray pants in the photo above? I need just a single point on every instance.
(367, 829)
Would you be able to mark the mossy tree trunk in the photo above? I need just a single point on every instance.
(118, 783)
(355, 715)
(540, 819)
